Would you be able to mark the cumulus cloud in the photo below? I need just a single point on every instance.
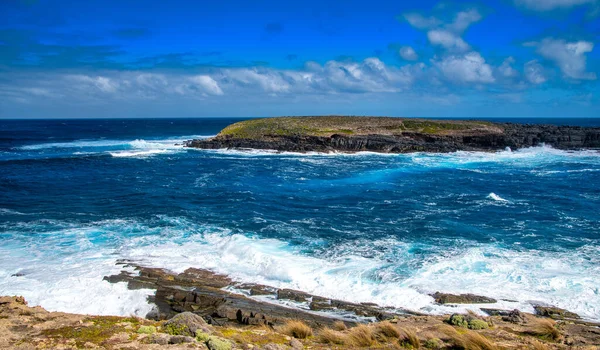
(333, 77)
(446, 34)
(534, 72)
(421, 22)
(463, 20)
(447, 40)
(548, 5)
(408, 53)
(469, 68)
(570, 57)
(506, 70)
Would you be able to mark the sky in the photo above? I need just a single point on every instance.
(156, 58)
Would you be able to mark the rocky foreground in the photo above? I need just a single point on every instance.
(198, 309)
(393, 135)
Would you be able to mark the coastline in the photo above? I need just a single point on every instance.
(202, 309)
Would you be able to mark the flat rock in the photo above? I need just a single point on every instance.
(445, 298)
(555, 312)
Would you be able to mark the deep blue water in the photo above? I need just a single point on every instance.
(76, 195)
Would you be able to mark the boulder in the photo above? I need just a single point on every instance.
(187, 324)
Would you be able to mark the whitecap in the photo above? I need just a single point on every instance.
(496, 197)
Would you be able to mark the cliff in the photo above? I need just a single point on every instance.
(394, 135)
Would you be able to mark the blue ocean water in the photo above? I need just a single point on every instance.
(77, 195)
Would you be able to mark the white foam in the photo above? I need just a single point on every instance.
(140, 154)
(100, 143)
(496, 197)
(554, 278)
(66, 266)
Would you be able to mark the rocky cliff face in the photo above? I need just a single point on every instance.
(513, 135)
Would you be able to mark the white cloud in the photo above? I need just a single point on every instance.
(463, 20)
(334, 77)
(534, 72)
(506, 70)
(408, 53)
(206, 84)
(447, 35)
(421, 22)
(568, 56)
(469, 68)
(101, 83)
(548, 5)
(447, 40)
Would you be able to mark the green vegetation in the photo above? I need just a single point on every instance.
(176, 329)
(146, 330)
(327, 126)
(215, 343)
(101, 330)
(202, 337)
(467, 321)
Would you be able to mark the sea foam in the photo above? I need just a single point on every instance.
(67, 278)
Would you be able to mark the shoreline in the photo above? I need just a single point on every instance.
(241, 321)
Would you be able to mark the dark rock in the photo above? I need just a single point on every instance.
(294, 295)
(257, 289)
(18, 274)
(515, 316)
(444, 298)
(555, 312)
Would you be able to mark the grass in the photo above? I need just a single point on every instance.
(339, 326)
(386, 330)
(466, 339)
(360, 336)
(537, 345)
(101, 329)
(409, 339)
(258, 337)
(545, 329)
(327, 126)
(330, 336)
(296, 329)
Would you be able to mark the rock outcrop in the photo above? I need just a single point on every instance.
(394, 135)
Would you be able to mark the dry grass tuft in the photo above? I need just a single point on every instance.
(409, 338)
(330, 336)
(475, 341)
(385, 330)
(361, 336)
(297, 329)
(545, 329)
(537, 345)
(339, 326)
(467, 340)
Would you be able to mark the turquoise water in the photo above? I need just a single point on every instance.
(77, 195)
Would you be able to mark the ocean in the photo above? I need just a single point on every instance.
(522, 226)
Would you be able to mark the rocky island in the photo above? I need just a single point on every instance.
(393, 135)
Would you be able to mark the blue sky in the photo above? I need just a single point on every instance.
(151, 58)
